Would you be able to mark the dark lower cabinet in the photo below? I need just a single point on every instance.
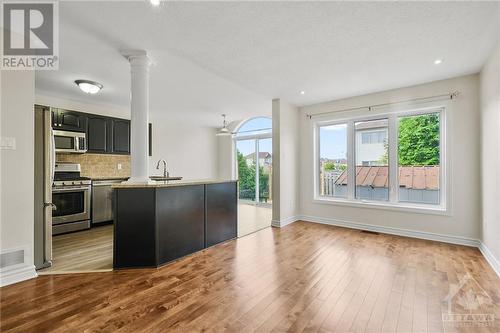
(221, 212)
(155, 225)
(134, 240)
(180, 219)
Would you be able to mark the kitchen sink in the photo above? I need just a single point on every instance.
(162, 179)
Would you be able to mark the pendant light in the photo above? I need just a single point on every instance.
(224, 131)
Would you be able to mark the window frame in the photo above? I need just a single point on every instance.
(392, 113)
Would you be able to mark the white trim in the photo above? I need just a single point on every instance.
(393, 231)
(392, 113)
(385, 205)
(17, 273)
(490, 258)
(284, 222)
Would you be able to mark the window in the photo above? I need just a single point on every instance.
(333, 160)
(418, 158)
(372, 160)
(393, 159)
(254, 168)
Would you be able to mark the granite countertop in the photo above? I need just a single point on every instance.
(110, 178)
(173, 183)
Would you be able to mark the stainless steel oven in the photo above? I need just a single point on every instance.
(70, 142)
(71, 197)
(72, 204)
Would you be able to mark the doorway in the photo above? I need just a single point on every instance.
(254, 167)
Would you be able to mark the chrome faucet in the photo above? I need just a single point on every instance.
(166, 174)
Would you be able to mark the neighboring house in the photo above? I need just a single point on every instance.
(265, 159)
(371, 139)
(418, 184)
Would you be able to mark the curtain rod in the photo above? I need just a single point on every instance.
(370, 107)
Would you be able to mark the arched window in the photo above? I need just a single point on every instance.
(256, 126)
(254, 149)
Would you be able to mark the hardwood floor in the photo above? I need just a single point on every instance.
(305, 277)
(252, 218)
(83, 251)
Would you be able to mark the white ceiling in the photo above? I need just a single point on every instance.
(234, 57)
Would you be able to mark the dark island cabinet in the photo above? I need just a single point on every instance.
(180, 221)
(221, 212)
(66, 120)
(156, 225)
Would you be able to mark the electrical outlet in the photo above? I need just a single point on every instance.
(8, 143)
(119, 166)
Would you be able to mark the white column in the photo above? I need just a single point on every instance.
(139, 109)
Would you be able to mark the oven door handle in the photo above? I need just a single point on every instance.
(50, 204)
(72, 189)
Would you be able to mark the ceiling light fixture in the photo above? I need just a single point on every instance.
(89, 87)
(438, 61)
(155, 3)
(224, 131)
(302, 92)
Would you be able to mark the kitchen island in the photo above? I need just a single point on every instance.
(163, 221)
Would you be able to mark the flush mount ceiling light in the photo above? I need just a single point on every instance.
(438, 61)
(89, 87)
(224, 131)
(155, 3)
(302, 92)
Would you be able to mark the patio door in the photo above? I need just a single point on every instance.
(254, 165)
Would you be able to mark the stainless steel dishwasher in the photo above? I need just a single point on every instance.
(102, 200)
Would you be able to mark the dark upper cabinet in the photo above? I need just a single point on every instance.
(98, 134)
(55, 118)
(105, 135)
(121, 136)
(67, 120)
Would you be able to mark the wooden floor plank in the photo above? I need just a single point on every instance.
(303, 278)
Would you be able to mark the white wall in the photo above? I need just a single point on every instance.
(464, 222)
(17, 174)
(189, 148)
(226, 157)
(285, 162)
(63, 102)
(490, 153)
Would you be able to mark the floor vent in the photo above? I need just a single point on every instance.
(11, 258)
(370, 232)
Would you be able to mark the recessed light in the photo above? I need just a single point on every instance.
(438, 61)
(155, 3)
(302, 92)
(89, 87)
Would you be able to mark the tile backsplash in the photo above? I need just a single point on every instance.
(99, 165)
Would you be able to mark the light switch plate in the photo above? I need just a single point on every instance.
(8, 143)
(119, 166)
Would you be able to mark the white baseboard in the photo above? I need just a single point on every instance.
(284, 222)
(16, 274)
(490, 258)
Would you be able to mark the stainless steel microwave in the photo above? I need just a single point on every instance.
(70, 142)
